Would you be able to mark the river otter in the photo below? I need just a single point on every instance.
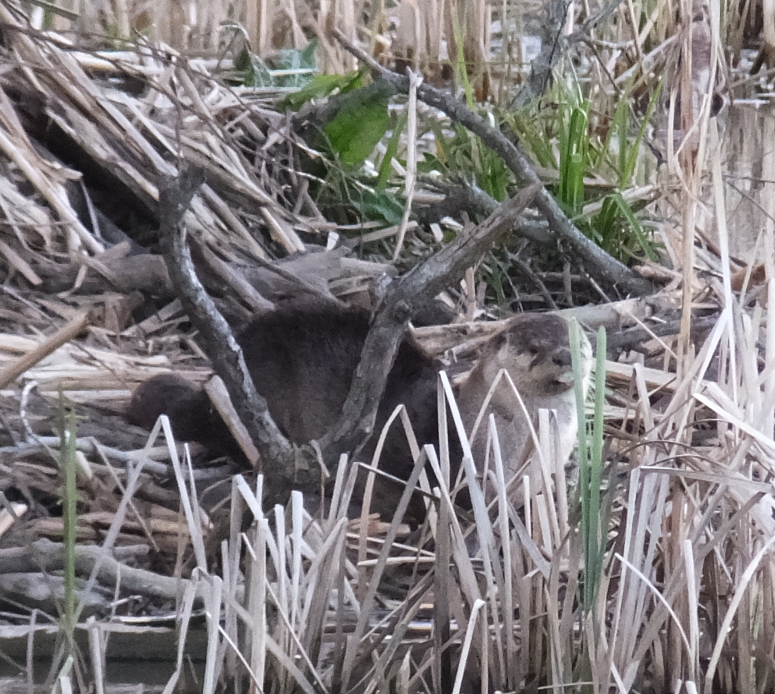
(188, 407)
(534, 349)
(302, 359)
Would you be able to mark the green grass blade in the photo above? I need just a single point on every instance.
(634, 150)
(597, 524)
(392, 149)
(590, 453)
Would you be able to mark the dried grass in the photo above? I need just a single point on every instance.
(315, 601)
(309, 598)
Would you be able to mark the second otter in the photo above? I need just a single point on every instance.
(534, 350)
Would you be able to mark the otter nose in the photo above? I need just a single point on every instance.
(562, 357)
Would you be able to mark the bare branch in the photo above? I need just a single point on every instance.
(599, 263)
(282, 463)
(403, 297)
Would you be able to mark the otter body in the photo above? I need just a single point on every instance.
(302, 360)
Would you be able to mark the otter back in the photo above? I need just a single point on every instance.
(302, 359)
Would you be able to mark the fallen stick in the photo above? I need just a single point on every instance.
(47, 556)
(48, 346)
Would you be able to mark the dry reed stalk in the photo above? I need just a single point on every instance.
(259, 17)
(17, 262)
(11, 513)
(420, 34)
(693, 93)
(219, 397)
(411, 160)
(50, 345)
(107, 125)
(182, 621)
(768, 24)
(467, 29)
(17, 147)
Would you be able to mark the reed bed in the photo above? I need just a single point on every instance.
(666, 576)
(651, 564)
(645, 566)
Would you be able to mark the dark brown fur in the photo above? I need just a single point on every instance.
(302, 361)
(188, 407)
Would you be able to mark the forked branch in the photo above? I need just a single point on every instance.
(284, 464)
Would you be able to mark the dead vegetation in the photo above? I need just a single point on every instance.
(650, 569)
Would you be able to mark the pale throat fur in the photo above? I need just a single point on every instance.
(534, 349)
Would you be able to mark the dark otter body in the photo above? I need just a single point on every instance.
(188, 407)
(302, 359)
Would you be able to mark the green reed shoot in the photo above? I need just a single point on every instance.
(68, 464)
(594, 514)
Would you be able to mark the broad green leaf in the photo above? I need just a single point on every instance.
(359, 126)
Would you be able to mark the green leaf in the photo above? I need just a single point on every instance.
(251, 70)
(321, 86)
(295, 58)
(308, 54)
(573, 161)
(381, 205)
(242, 61)
(359, 126)
(595, 513)
(68, 462)
(640, 235)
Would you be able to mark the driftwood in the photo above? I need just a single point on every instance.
(464, 338)
(112, 270)
(47, 556)
(599, 263)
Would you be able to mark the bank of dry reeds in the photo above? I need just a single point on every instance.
(668, 585)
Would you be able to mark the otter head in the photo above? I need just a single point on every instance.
(534, 349)
(185, 403)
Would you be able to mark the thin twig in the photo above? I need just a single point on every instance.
(62, 336)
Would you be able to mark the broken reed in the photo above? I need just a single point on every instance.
(68, 463)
